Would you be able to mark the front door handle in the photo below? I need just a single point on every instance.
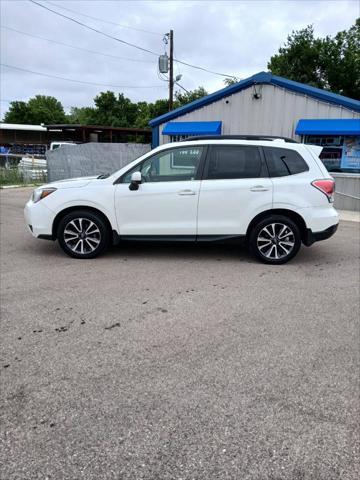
(186, 192)
(258, 188)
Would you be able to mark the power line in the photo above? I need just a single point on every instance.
(75, 47)
(103, 20)
(177, 83)
(204, 69)
(95, 30)
(78, 81)
(128, 43)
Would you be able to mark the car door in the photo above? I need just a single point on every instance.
(235, 188)
(165, 204)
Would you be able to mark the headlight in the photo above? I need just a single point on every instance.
(41, 193)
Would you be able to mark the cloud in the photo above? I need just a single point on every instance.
(235, 37)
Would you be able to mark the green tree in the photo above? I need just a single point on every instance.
(115, 111)
(142, 115)
(160, 107)
(110, 109)
(18, 113)
(182, 98)
(40, 109)
(330, 63)
(231, 81)
(340, 61)
(299, 59)
(147, 111)
(82, 116)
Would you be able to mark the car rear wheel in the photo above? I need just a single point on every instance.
(83, 234)
(275, 240)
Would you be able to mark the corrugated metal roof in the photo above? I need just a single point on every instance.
(20, 126)
(261, 78)
(334, 126)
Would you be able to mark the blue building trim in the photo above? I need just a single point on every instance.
(333, 126)
(192, 128)
(155, 140)
(260, 78)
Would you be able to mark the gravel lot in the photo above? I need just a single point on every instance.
(177, 362)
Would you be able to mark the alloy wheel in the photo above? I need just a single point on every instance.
(82, 236)
(276, 241)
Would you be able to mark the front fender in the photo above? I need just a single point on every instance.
(96, 198)
(86, 203)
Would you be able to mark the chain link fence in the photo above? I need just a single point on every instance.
(19, 170)
(91, 159)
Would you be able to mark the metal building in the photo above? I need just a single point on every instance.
(265, 104)
(262, 104)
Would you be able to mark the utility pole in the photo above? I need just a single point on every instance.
(171, 70)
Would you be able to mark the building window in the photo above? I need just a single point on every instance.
(339, 154)
(327, 141)
(178, 138)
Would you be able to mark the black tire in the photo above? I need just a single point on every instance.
(283, 240)
(83, 234)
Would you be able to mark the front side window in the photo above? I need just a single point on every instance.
(178, 164)
(228, 161)
(282, 162)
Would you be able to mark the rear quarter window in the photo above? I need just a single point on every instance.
(282, 162)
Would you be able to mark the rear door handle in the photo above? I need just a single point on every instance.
(259, 188)
(186, 192)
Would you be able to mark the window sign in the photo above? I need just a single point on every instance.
(185, 158)
(171, 165)
(351, 153)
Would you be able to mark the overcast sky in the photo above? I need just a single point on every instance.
(231, 37)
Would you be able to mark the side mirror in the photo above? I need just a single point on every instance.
(135, 181)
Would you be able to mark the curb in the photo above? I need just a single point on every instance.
(6, 187)
(349, 216)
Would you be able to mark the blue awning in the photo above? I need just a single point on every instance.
(336, 126)
(192, 128)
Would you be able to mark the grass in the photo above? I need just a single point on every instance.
(13, 176)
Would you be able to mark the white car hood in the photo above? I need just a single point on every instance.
(70, 183)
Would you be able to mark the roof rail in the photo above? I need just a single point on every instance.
(240, 137)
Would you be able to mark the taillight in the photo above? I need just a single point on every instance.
(327, 187)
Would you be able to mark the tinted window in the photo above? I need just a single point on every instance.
(229, 161)
(178, 164)
(282, 162)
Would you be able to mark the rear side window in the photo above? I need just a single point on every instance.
(228, 161)
(282, 162)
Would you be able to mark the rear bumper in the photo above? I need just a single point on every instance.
(312, 237)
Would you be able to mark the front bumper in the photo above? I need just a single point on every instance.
(312, 237)
(39, 219)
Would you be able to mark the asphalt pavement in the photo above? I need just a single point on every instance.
(177, 362)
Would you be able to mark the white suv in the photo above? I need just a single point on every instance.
(272, 194)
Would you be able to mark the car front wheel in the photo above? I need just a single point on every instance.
(275, 240)
(83, 234)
